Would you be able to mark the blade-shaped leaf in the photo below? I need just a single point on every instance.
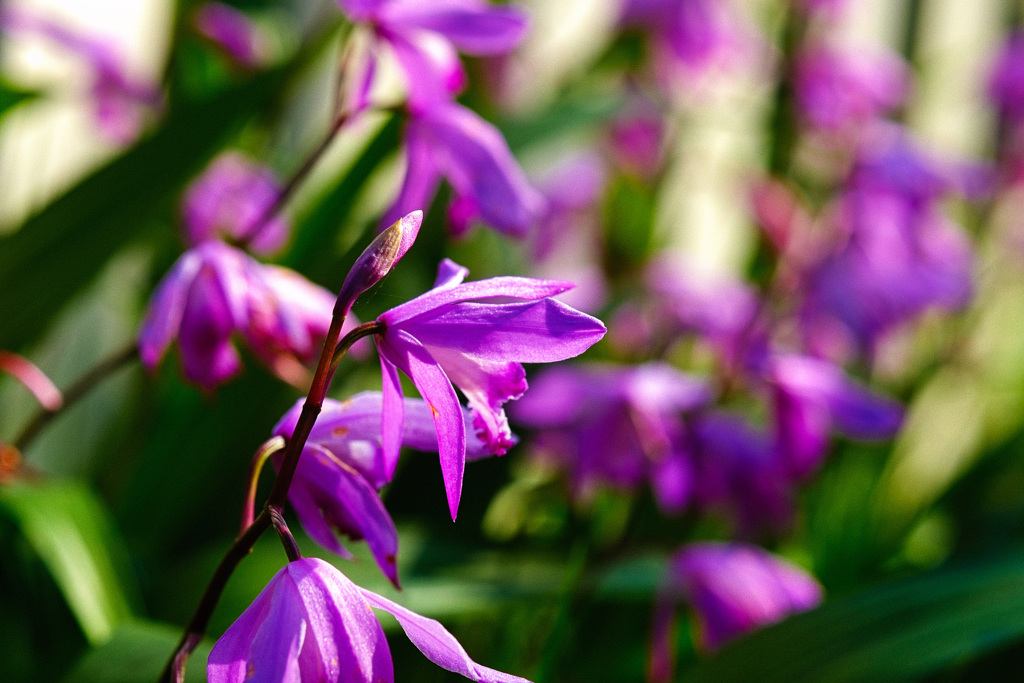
(72, 533)
(59, 250)
(898, 631)
(11, 96)
(137, 652)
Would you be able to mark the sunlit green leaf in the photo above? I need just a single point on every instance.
(898, 631)
(11, 96)
(70, 530)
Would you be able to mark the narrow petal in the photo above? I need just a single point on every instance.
(474, 27)
(408, 355)
(33, 379)
(439, 646)
(512, 287)
(433, 72)
(449, 274)
(542, 331)
(421, 176)
(207, 355)
(392, 413)
(166, 309)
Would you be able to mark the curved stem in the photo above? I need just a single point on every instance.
(364, 330)
(291, 548)
(268, 448)
(76, 392)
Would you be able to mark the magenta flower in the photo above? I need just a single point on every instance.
(617, 426)
(342, 468)
(452, 142)
(457, 333)
(425, 35)
(231, 30)
(733, 589)
(312, 624)
(120, 102)
(840, 91)
(1006, 82)
(214, 291)
(229, 200)
(811, 398)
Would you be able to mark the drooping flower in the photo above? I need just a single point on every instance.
(452, 142)
(617, 426)
(215, 291)
(311, 623)
(732, 589)
(229, 201)
(231, 30)
(458, 334)
(120, 101)
(425, 36)
(342, 468)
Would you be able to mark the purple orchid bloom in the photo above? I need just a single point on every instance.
(214, 291)
(229, 201)
(425, 35)
(120, 101)
(471, 335)
(342, 468)
(733, 589)
(619, 426)
(740, 473)
(232, 31)
(311, 623)
(451, 141)
(1006, 82)
(811, 397)
(691, 35)
(839, 91)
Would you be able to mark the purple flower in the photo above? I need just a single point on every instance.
(231, 30)
(214, 291)
(311, 623)
(811, 397)
(733, 589)
(120, 101)
(839, 91)
(692, 35)
(425, 34)
(229, 200)
(451, 141)
(342, 468)
(740, 473)
(620, 426)
(473, 336)
(377, 260)
(1006, 82)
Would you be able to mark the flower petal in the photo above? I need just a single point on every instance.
(166, 309)
(542, 331)
(408, 355)
(439, 646)
(392, 414)
(475, 27)
(421, 176)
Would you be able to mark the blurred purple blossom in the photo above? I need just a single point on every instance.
(841, 90)
(311, 623)
(458, 334)
(120, 101)
(342, 468)
(214, 291)
(451, 141)
(231, 30)
(732, 589)
(1006, 81)
(637, 138)
(425, 36)
(620, 426)
(230, 200)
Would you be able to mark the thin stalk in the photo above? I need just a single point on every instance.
(364, 330)
(268, 449)
(76, 392)
(291, 548)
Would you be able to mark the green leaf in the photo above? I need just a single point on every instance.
(902, 630)
(58, 251)
(137, 653)
(11, 96)
(72, 534)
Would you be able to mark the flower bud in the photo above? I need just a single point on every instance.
(378, 259)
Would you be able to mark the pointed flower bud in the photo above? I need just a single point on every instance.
(378, 259)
